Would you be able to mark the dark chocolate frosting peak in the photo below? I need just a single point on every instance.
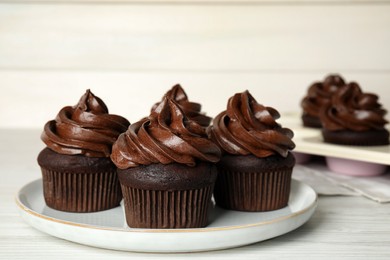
(320, 93)
(351, 109)
(191, 109)
(247, 127)
(166, 136)
(86, 128)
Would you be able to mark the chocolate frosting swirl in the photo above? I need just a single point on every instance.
(247, 127)
(191, 109)
(351, 109)
(319, 94)
(166, 136)
(85, 128)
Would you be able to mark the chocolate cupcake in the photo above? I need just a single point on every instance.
(357, 119)
(166, 167)
(192, 110)
(78, 175)
(354, 118)
(318, 95)
(254, 173)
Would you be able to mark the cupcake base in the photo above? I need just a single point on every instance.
(167, 196)
(248, 183)
(366, 138)
(311, 121)
(76, 183)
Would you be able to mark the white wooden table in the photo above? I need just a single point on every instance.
(341, 227)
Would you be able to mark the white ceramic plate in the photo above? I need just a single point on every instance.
(107, 229)
(309, 140)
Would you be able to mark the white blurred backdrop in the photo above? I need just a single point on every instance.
(129, 53)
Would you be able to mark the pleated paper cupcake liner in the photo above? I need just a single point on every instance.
(166, 209)
(81, 192)
(253, 191)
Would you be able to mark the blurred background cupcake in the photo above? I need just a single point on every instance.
(354, 118)
(318, 95)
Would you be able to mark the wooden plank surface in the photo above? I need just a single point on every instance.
(195, 37)
(131, 53)
(30, 98)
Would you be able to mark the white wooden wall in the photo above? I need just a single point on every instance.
(130, 52)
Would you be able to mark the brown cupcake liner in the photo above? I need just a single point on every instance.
(81, 192)
(166, 209)
(253, 191)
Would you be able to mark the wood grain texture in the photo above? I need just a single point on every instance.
(342, 227)
(195, 37)
(131, 53)
(31, 98)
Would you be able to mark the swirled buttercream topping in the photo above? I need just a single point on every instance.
(247, 127)
(85, 128)
(166, 136)
(351, 109)
(191, 109)
(320, 93)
